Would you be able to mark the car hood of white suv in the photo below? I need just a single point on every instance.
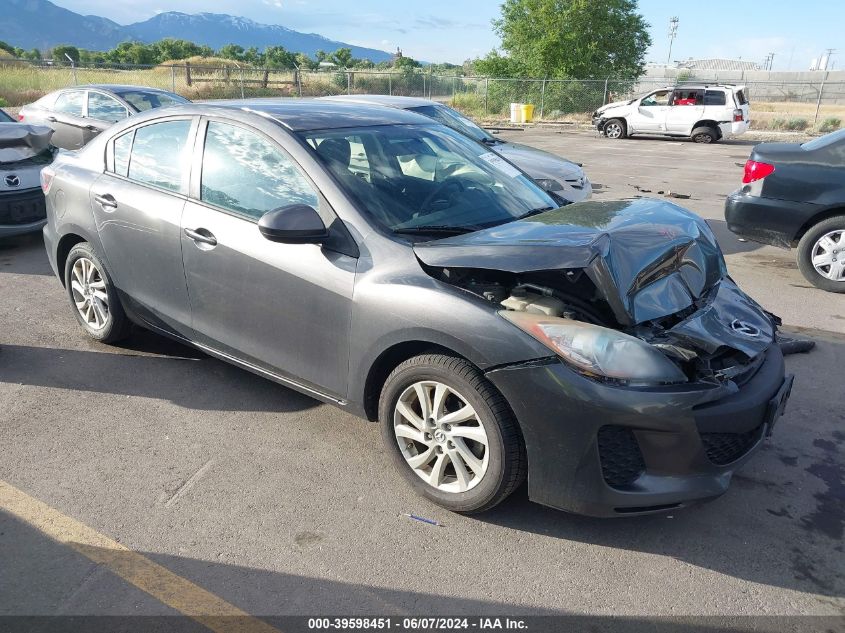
(614, 104)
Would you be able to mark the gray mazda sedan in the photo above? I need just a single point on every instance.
(377, 260)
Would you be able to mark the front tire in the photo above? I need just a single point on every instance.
(821, 254)
(93, 296)
(451, 433)
(615, 129)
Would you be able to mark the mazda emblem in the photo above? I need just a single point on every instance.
(13, 181)
(746, 329)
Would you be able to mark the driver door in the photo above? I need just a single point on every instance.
(651, 112)
(285, 308)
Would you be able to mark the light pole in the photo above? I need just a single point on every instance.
(673, 33)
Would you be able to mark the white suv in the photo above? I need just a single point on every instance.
(704, 113)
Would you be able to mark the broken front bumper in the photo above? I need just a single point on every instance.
(605, 450)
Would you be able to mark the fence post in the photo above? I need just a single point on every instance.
(390, 84)
(243, 96)
(486, 94)
(266, 78)
(173, 79)
(423, 76)
(73, 70)
(454, 87)
(542, 98)
(604, 99)
(819, 101)
(188, 73)
(348, 82)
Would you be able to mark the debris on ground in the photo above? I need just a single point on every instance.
(423, 520)
(640, 189)
(789, 345)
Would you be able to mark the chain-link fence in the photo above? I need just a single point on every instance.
(787, 104)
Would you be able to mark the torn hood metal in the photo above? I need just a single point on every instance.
(19, 141)
(649, 258)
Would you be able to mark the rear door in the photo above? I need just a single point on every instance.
(138, 204)
(686, 109)
(67, 118)
(103, 112)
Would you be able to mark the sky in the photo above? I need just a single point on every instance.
(455, 30)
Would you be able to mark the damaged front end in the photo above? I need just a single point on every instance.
(608, 285)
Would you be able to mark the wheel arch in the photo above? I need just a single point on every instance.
(821, 216)
(66, 243)
(388, 360)
(710, 123)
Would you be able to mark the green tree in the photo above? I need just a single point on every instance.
(59, 53)
(579, 39)
(279, 57)
(304, 62)
(320, 56)
(232, 51)
(7, 47)
(406, 64)
(342, 57)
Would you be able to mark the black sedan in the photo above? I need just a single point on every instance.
(80, 113)
(794, 196)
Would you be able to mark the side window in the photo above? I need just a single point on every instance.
(248, 174)
(122, 147)
(714, 98)
(159, 155)
(104, 108)
(687, 97)
(657, 99)
(70, 102)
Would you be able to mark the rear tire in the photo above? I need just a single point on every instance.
(615, 129)
(93, 296)
(821, 254)
(451, 434)
(705, 135)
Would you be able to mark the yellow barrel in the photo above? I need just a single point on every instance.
(527, 114)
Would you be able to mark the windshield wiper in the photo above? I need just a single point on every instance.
(536, 211)
(436, 228)
(491, 141)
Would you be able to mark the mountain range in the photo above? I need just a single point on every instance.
(42, 24)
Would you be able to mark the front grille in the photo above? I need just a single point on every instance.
(724, 448)
(22, 208)
(619, 453)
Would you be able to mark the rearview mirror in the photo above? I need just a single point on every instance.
(293, 224)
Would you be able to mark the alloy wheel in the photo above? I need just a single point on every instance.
(441, 437)
(828, 255)
(613, 130)
(89, 293)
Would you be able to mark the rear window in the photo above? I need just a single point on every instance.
(70, 102)
(714, 98)
(741, 99)
(5, 118)
(142, 100)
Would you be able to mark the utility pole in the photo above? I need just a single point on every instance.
(673, 33)
(828, 53)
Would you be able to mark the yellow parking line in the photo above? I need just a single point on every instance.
(162, 584)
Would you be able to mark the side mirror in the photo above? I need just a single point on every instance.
(293, 224)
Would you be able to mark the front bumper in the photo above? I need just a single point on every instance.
(604, 450)
(598, 123)
(22, 212)
(766, 220)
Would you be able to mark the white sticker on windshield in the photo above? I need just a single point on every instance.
(501, 164)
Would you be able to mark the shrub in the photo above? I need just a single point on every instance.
(797, 124)
(830, 124)
(3, 103)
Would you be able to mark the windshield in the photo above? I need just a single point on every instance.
(824, 141)
(142, 101)
(426, 178)
(454, 120)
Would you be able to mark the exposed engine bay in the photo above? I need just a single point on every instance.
(701, 340)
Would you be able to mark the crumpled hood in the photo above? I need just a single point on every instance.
(613, 104)
(649, 258)
(19, 142)
(537, 163)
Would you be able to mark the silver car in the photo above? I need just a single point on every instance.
(553, 173)
(24, 151)
(598, 348)
(80, 113)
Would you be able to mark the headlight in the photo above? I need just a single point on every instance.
(549, 184)
(599, 351)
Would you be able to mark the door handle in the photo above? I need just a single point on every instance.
(205, 238)
(106, 200)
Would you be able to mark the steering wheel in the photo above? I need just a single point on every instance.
(451, 181)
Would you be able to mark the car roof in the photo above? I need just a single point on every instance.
(301, 115)
(115, 88)
(384, 100)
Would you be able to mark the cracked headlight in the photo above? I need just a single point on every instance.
(599, 351)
